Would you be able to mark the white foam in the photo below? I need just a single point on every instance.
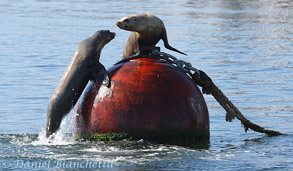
(64, 136)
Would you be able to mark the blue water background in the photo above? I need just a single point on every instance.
(244, 46)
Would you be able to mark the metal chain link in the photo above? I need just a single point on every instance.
(183, 65)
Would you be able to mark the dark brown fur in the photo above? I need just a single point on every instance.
(84, 66)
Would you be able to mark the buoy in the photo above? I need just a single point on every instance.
(147, 99)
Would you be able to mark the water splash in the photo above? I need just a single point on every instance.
(64, 136)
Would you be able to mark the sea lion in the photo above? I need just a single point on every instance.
(147, 31)
(84, 66)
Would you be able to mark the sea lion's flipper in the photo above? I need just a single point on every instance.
(166, 43)
(98, 73)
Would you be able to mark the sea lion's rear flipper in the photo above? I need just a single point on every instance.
(166, 43)
(99, 74)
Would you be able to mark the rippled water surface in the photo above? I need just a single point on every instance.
(245, 46)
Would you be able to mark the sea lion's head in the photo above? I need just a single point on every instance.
(141, 23)
(93, 45)
(102, 37)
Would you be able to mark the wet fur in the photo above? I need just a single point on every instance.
(84, 66)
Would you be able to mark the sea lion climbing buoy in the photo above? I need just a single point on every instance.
(84, 66)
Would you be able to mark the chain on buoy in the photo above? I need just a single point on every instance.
(208, 87)
(203, 80)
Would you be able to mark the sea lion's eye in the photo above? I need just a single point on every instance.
(126, 20)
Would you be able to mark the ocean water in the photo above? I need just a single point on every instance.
(246, 47)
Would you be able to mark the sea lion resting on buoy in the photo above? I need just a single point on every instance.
(147, 31)
(84, 66)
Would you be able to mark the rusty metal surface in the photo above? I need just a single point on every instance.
(145, 95)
